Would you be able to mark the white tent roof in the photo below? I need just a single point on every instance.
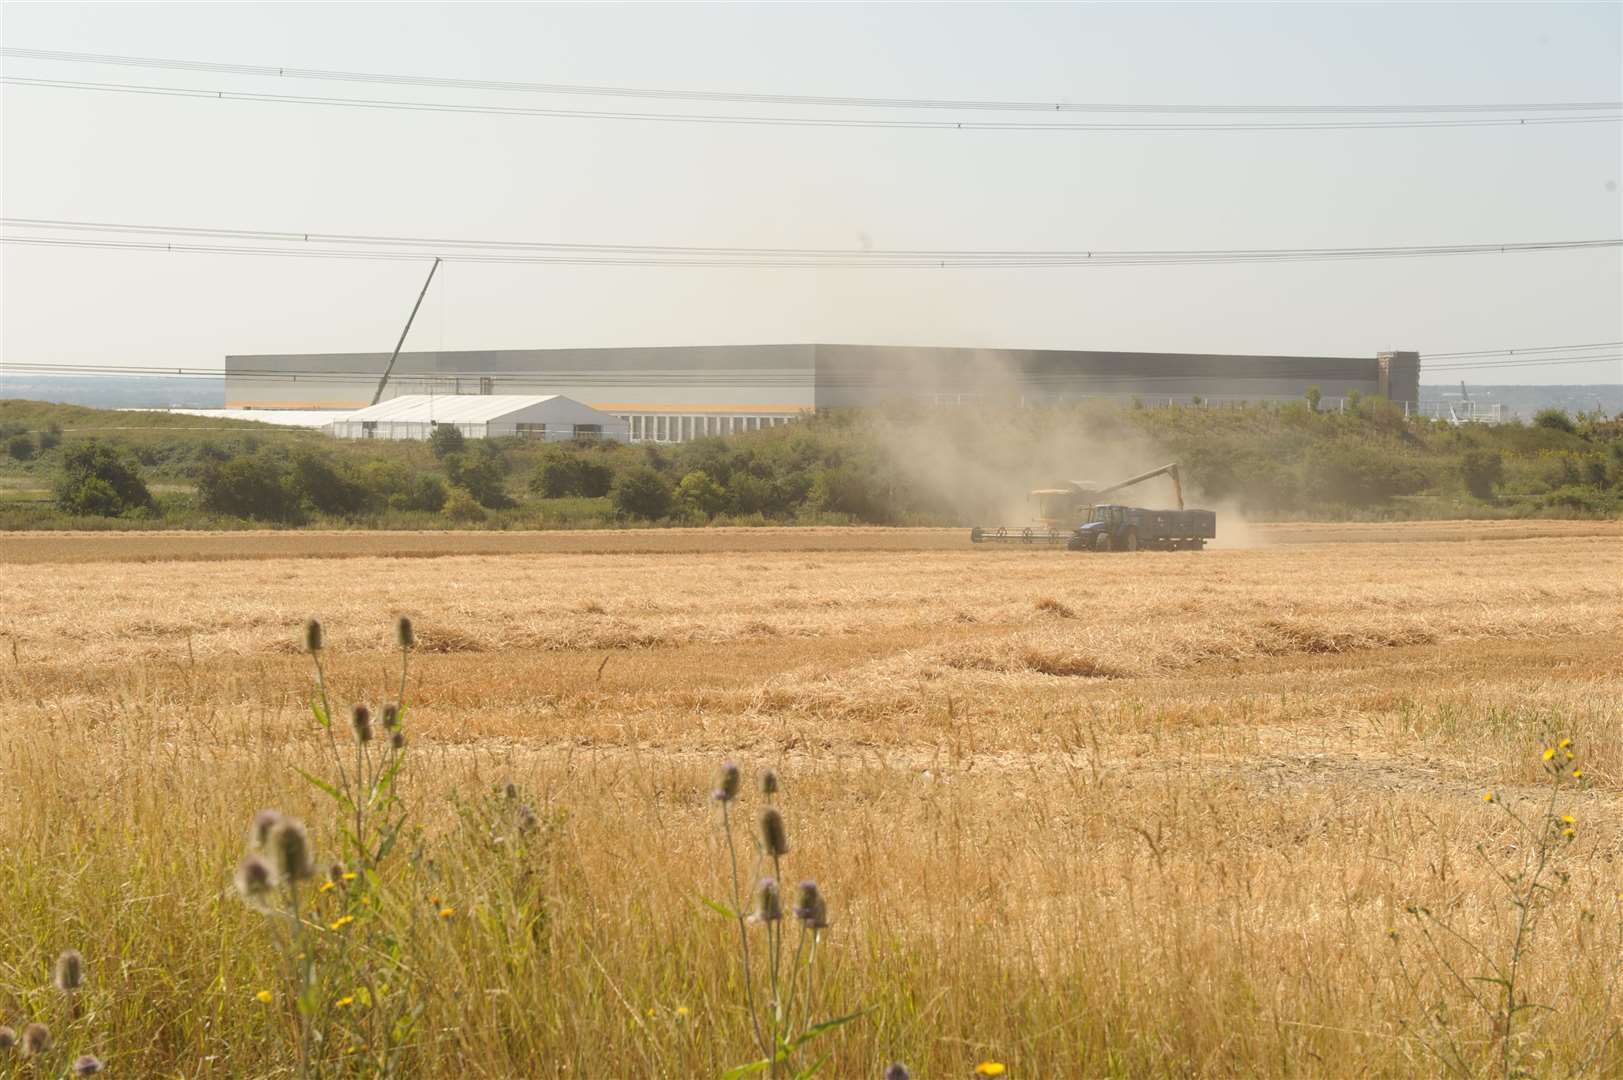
(452, 408)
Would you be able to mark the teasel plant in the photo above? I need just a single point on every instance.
(779, 979)
(345, 934)
(37, 1050)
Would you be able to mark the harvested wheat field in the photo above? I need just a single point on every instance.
(1292, 810)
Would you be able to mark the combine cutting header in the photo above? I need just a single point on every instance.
(1076, 515)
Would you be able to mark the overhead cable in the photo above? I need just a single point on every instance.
(811, 121)
(755, 258)
(817, 100)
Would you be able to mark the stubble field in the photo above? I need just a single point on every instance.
(1164, 814)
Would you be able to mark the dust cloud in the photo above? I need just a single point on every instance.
(976, 456)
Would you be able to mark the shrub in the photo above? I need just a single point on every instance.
(751, 494)
(462, 507)
(480, 474)
(254, 486)
(640, 492)
(845, 489)
(316, 480)
(1482, 470)
(20, 447)
(51, 437)
(1357, 474)
(425, 493)
(446, 440)
(1314, 395)
(1582, 500)
(698, 494)
(562, 475)
(90, 497)
(99, 480)
(1554, 420)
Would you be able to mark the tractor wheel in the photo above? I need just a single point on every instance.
(1130, 541)
(1104, 543)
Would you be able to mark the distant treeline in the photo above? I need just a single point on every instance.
(946, 466)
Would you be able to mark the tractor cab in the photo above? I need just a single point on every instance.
(1103, 518)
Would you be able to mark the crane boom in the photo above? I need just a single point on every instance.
(377, 395)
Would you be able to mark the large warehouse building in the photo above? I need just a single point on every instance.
(670, 394)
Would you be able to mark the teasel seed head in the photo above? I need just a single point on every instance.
(36, 1040)
(254, 878)
(259, 832)
(86, 1065)
(403, 633)
(769, 783)
(774, 837)
(70, 971)
(728, 783)
(768, 901)
(805, 900)
(897, 1071)
(510, 790)
(312, 636)
(397, 739)
(361, 721)
(527, 821)
(8, 1038)
(391, 716)
(335, 873)
(290, 848)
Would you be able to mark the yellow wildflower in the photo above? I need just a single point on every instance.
(990, 1068)
(348, 875)
(1565, 744)
(1549, 753)
(1487, 796)
(340, 922)
(682, 1012)
(327, 886)
(1569, 833)
(1577, 774)
(344, 1002)
(447, 912)
(1567, 819)
(265, 997)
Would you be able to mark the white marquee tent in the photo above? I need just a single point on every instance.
(552, 417)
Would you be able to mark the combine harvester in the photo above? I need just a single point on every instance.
(1075, 516)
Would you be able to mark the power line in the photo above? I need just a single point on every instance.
(804, 121)
(294, 245)
(438, 243)
(1529, 351)
(1614, 358)
(818, 100)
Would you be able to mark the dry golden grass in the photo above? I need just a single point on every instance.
(1086, 815)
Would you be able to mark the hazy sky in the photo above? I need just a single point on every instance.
(167, 161)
